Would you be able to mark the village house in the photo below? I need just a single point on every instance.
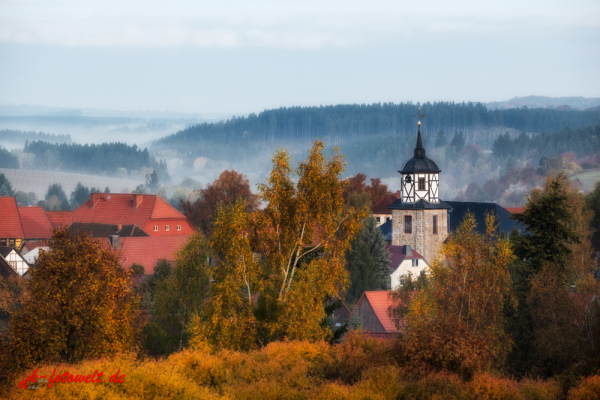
(371, 312)
(14, 260)
(404, 260)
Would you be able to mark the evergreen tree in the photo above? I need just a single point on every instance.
(368, 262)
(441, 140)
(458, 142)
(55, 199)
(106, 190)
(592, 202)
(79, 195)
(548, 234)
(5, 187)
(152, 181)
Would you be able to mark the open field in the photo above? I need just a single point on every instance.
(38, 181)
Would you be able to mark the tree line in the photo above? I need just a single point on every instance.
(103, 158)
(344, 122)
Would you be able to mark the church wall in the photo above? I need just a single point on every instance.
(422, 238)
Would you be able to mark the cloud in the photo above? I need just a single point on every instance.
(275, 24)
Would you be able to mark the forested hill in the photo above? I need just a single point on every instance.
(341, 122)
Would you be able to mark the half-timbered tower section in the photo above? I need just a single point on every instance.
(419, 217)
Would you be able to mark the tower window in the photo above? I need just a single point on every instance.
(421, 183)
(435, 228)
(408, 224)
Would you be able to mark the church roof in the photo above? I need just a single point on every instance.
(460, 209)
(420, 162)
(418, 205)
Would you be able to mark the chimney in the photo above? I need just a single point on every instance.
(408, 250)
(114, 241)
(398, 193)
(95, 197)
(137, 199)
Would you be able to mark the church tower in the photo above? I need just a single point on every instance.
(419, 217)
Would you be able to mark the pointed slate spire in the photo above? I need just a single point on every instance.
(419, 150)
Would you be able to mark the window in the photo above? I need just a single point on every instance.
(155, 228)
(378, 219)
(167, 228)
(387, 219)
(178, 227)
(435, 225)
(421, 183)
(415, 262)
(408, 224)
(402, 281)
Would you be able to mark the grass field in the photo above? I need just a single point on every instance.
(38, 181)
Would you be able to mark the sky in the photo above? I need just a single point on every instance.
(245, 56)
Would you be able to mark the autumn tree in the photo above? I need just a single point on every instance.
(81, 305)
(178, 297)
(454, 320)
(368, 263)
(553, 280)
(592, 203)
(356, 187)
(279, 266)
(223, 192)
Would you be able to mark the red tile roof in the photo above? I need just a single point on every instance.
(380, 302)
(381, 206)
(36, 224)
(10, 222)
(59, 219)
(148, 250)
(514, 210)
(397, 255)
(118, 208)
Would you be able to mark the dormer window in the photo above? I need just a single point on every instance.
(167, 227)
(178, 227)
(155, 228)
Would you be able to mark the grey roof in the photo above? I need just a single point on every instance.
(386, 230)
(106, 230)
(460, 209)
(418, 205)
(420, 162)
(4, 251)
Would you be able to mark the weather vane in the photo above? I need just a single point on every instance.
(419, 116)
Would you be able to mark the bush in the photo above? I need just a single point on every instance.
(587, 389)
(490, 387)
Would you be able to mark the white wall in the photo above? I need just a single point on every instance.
(406, 267)
(17, 263)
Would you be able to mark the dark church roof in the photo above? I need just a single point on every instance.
(420, 162)
(418, 205)
(460, 209)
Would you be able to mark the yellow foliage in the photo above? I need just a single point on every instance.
(280, 370)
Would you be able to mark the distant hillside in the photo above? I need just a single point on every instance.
(341, 123)
(560, 103)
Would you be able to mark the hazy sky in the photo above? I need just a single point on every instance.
(245, 56)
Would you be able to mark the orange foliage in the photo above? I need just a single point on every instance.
(587, 389)
(455, 322)
(280, 370)
(82, 305)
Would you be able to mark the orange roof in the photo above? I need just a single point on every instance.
(380, 302)
(147, 250)
(36, 224)
(125, 209)
(381, 207)
(59, 219)
(10, 222)
(515, 210)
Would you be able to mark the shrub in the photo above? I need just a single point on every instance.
(589, 388)
(490, 387)
(539, 390)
